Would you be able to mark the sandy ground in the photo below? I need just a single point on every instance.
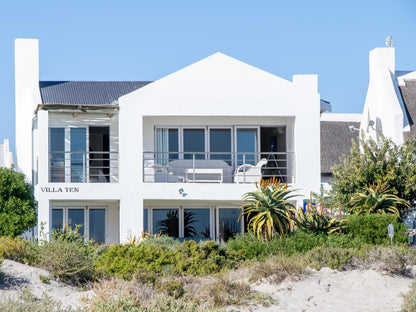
(17, 276)
(324, 290)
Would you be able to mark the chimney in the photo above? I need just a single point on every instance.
(27, 97)
(382, 58)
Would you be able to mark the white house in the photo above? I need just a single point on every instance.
(390, 105)
(6, 156)
(174, 155)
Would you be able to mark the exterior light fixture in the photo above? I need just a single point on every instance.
(353, 129)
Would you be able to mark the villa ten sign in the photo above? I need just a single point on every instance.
(47, 189)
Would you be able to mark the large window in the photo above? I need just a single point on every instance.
(207, 143)
(91, 221)
(198, 223)
(79, 154)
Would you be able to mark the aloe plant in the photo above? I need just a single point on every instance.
(376, 198)
(269, 209)
(320, 222)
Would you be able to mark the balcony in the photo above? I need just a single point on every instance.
(217, 167)
(83, 167)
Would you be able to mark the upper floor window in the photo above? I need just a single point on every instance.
(79, 154)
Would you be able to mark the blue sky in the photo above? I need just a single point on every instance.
(146, 40)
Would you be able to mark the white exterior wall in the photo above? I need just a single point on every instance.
(383, 105)
(27, 97)
(216, 90)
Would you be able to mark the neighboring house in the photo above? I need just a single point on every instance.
(390, 105)
(337, 133)
(6, 157)
(174, 155)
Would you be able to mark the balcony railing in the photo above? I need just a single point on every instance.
(217, 167)
(83, 167)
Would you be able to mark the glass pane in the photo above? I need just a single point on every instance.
(76, 217)
(246, 146)
(78, 154)
(166, 221)
(194, 141)
(99, 156)
(220, 141)
(173, 144)
(146, 220)
(57, 154)
(97, 225)
(196, 223)
(58, 219)
(229, 225)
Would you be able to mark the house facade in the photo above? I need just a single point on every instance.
(390, 104)
(174, 155)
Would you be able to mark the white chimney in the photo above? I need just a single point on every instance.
(381, 58)
(27, 97)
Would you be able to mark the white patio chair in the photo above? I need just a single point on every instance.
(248, 173)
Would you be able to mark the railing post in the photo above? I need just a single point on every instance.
(84, 167)
(193, 168)
(244, 168)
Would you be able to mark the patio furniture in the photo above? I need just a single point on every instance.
(206, 170)
(249, 173)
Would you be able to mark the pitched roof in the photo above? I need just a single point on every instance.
(408, 91)
(335, 142)
(86, 92)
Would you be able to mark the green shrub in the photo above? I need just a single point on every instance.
(372, 228)
(16, 249)
(69, 261)
(333, 258)
(150, 260)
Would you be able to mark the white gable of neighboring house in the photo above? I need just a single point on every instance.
(384, 110)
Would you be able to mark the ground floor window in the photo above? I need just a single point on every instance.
(199, 223)
(92, 221)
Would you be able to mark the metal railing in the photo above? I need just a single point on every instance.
(218, 167)
(83, 167)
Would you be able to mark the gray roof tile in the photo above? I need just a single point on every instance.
(86, 92)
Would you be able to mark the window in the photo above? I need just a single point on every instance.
(220, 142)
(247, 145)
(194, 143)
(198, 223)
(79, 154)
(90, 220)
(167, 145)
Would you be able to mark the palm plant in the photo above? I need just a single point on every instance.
(268, 209)
(376, 199)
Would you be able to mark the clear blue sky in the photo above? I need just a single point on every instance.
(146, 40)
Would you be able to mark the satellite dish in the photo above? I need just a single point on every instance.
(389, 41)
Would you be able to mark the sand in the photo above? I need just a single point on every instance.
(324, 290)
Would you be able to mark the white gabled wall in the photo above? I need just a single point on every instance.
(383, 110)
(27, 97)
(216, 87)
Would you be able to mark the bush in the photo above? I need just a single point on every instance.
(372, 228)
(150, 260)
(69, 261)
(16, 249)
(17, 203)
